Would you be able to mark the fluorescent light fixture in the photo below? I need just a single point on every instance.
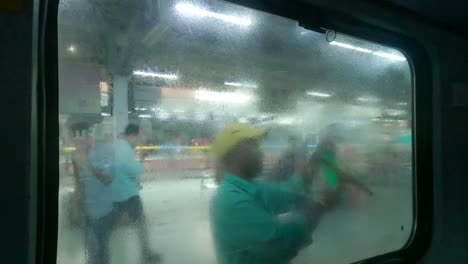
(348, 46)
(368, 99)
(363, 50)
(222, 97)
(160, 113)
(105, 114)
(318, 94)
(376, 53)
(144, 116)
(343, 45)
(72, 48)
(156, 75)
(238, 84)
(389, 56)
(195, 11)
(233, 83)
(286, 120)
(402, 103)
(395, 112)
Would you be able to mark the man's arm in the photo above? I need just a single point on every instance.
(351, 180)
(284, 196)
(131, 164)
(101, 175)
(263, 234)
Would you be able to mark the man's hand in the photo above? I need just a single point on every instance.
(140, 184)
(329, 199)
(102, 176)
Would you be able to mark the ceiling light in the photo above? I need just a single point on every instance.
(395, 112)
(318, 94)
(368, 99)
(348, 46)
(363, 50)
(343, 45)
(192, 10)
(72, 48)
(402, 103)
(156, 75)
(377, 53)
(105, 114)
(233, 83)
(286, 120)
(222, 97)
(144, 116)
(238, 84)
(389, 56)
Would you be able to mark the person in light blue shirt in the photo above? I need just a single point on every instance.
(98, 200)
(93, 168)
(126, 188)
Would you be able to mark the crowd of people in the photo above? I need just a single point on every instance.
(253, 219)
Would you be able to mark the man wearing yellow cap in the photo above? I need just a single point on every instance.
(245, 220)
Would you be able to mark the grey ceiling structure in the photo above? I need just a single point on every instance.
(273, 52)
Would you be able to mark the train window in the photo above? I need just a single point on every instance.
(205, 132)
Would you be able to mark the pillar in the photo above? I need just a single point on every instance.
(120, 105)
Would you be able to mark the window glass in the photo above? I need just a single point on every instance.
(168, 108)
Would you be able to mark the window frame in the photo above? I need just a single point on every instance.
(309, 16)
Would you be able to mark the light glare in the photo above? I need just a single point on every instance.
(318, 94)
(238, 84)
(368, 99)
(156, 75)
(343, 45)
(377, 53)
(222, 97)
(72, 48)
(348, 46)
(191, 10)
(389, 56)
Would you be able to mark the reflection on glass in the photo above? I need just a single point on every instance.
(204, 132)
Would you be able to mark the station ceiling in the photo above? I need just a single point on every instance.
(278, 59)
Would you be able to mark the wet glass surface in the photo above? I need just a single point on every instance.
(181, 71)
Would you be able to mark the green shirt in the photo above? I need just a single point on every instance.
(245, 224)
(329, 166)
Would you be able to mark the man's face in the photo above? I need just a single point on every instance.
(132, 139)
(251, 157)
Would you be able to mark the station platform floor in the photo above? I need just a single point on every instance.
(177, 212)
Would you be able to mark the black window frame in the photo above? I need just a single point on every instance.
(308, 16)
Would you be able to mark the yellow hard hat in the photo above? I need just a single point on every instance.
(231, 135)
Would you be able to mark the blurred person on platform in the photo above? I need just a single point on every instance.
(286, 164)
(98, 190)
(327, 170)
(250, 220)
(126, 188)
(93, 166)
